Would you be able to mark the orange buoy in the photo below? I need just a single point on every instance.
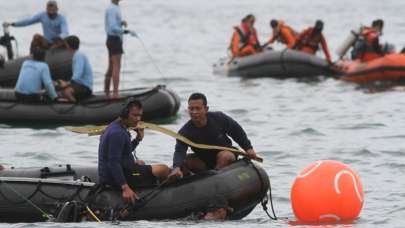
(327, 191)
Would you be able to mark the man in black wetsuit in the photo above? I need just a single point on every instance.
(211, 128)
(117, 166)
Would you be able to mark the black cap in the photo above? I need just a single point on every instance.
(318, 25)
(273, 23)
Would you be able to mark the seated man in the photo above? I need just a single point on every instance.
(116, 163)
(54, 27)
(81, 84)
(208, 128)
(309, 40)
(282, 33)
(33, 74)
(244, 39)
(367, 47)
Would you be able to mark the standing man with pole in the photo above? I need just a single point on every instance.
(114, 29)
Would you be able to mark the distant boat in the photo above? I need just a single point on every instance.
(275, 64)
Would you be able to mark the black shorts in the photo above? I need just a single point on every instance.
(208, 157)
(140, 176)
(80, 91)
(114, 45)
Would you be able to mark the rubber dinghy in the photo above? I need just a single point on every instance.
(390, 68)
(242, 184)
(59, 62)
(158, 102)
(276, 64)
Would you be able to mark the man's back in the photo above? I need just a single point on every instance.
(32, 76)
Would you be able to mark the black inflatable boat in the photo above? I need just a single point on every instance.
(276, 64)
(59, 62)
(158, 102)
(243, 185)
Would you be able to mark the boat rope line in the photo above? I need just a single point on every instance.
(133, 34)
(44, 214)
(98, 130)
(265, 198)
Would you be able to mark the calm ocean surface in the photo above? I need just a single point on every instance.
(291, 124)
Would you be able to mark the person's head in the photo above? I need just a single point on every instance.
(318, 26)
(38, 54)
(116, 1)
(378, 24)
(72, 42)
(52, 9)
(273, 23)
(197, 108)
(132, 113)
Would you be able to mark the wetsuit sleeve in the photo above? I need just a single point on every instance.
(325, 48)
(114, 154)
(236, 132)
(28, 21)
(47, 81)
(64, 28)
(180, 150)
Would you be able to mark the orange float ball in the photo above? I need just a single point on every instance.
(327, 191)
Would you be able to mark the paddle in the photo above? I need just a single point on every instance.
(98, 130)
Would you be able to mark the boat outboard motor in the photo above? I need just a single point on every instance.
(349, 42)
(5, 41)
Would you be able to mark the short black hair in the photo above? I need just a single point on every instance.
(318, 26)
(131, 102)
(38, 54)
(73, 42)
(273, 23)
(198, 96)
(378, 22)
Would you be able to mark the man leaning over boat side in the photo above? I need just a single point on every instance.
(81, 84)
(54, 27)
(211, 128)
(117, 166)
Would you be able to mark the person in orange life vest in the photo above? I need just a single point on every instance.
(282, 33)
(308, 41)
(244, 40)
(372, 48)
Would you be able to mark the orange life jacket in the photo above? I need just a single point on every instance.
(371, 49)
(309, 43)
(284, 34)
(244, 41)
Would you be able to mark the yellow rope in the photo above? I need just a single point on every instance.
(98, 130)
(93, 215)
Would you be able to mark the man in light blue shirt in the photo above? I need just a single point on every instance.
(81, 84)
(54, 27)
(33, 75)
(114, 30)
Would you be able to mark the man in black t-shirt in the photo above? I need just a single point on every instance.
(213, 128)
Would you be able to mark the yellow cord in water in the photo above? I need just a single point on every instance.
(92, 214)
